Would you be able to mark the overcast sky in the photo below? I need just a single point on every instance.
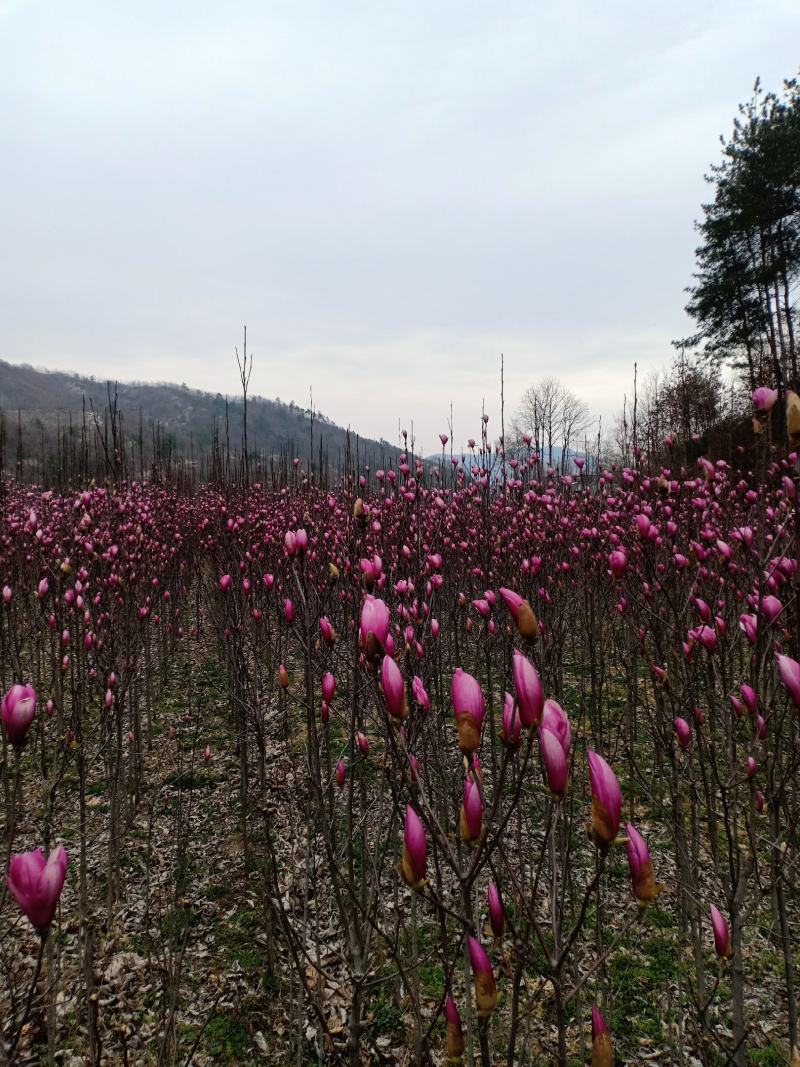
(388, 194)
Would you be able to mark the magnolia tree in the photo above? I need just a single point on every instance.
(487, 741)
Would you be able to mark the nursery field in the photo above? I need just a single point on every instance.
(457, 762)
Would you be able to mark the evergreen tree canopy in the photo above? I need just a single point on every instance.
(748, 263)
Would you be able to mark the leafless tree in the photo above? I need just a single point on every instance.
(554, 417)
(245, 370)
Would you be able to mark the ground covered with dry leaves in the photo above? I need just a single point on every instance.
(190, 967)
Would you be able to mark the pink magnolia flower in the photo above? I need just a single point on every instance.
(341, 773)
(602, 1055)
(482, 607)
(771, 608)
(789, 671)
(598, 1022)
(643, 880)
(764, 398)
(415, 849)
(18, 712)
(522, 613)
(530, 696)
(35, 883)
(749, 627)
(469, 708)
(512, 724)
(225, 582)
(555, 761)
(707, 637)
(750, 698)
(618, 562)
(497, 916)
(554, 718)
(328, 687)
(471, 822)
(420, 694)
(683, 732)
(371, 570)
(394, 688)
(374, 626)
(606, 801)
(455, 1036)
(722, 935)
(485, 987)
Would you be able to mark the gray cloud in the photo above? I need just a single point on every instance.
(389, 195)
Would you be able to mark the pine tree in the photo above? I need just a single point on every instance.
(749, 259)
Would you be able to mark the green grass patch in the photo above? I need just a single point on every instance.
(227, 1040)
(248, 958)
(189, 780)
(387, 1020)
(177, 923)
(769, 1056)
(639, 977)
(431, 980)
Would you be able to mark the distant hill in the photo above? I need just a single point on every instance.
(47, 399)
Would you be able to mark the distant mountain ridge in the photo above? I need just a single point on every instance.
(46, 399)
